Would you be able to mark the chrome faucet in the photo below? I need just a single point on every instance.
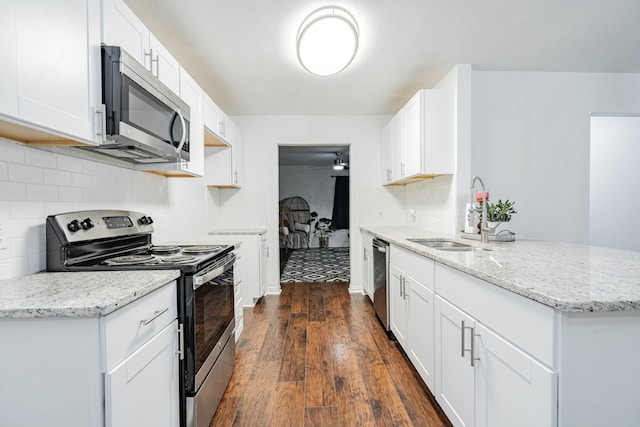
(484, 227)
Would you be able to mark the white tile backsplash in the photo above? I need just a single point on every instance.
(35, 183)
(26, 174)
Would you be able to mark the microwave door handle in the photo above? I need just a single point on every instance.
(183, 127)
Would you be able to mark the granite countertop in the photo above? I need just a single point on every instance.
(77, 294)
(239, 231)
(564, 276)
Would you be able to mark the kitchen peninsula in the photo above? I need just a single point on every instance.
(548, 330)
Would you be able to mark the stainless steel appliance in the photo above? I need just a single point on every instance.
(381, 280)
(121, 240)
(143, 120)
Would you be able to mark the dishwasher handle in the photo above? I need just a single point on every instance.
(380, 245)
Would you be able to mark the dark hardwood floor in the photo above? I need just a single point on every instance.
(317, 356)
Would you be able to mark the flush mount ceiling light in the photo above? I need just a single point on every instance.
(327, 41)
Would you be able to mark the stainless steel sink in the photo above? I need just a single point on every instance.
(446, 245)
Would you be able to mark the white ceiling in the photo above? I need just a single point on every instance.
(242, 52)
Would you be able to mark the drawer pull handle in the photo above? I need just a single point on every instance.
(157, 314)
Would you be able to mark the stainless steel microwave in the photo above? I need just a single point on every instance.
(143, 120)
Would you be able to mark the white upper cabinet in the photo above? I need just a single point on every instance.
(420, 139)
(121, 27)
(192, 94)
(223, 147)
(50, 85)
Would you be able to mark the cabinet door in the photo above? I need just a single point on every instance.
(398, 316)
(511, 388)
(163, 65)
(9, 50)
(143, 389)
(192, 94)
(264, 260)
(235, 137)
(366, 276)
(454, 372)
(421, 331)
(121, 27)
(412, 136)
(53, 82)
(386, 154)
(397, 151)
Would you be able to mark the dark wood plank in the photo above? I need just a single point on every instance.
(321, 417)
(274, 341)
(337, 329)
(258, 396)
(295, 349)
(289, 405)
(354, 408)
(316, 304)
(300, 296)
(320, 390)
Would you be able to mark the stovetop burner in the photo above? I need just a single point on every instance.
(200, 249)
(166, 249)
(130, 260)
(178, 259)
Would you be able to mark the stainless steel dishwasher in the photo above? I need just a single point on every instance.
(380, 280)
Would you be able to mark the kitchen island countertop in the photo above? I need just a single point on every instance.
(77, 294)
(564, 276)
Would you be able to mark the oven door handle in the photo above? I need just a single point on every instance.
(213, 273)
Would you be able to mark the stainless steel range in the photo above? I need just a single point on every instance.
(121, 240)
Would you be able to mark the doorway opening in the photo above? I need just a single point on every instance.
(313, 213)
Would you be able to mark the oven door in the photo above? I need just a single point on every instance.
(210, 319)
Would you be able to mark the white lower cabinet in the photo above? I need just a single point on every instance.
(398, 318)
(485, 353)
(421, 331)
(511, 387)
(454, 389)
(411, 299)
(367, 264)
(484, 380)
(143, 389)
(118, 370)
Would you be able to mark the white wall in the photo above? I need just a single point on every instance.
(36, 183)
(316, 186)
(370, 203)
(614, 190)
(530, 143)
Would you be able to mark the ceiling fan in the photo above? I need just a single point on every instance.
(339, 164)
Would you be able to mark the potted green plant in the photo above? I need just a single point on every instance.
(500, 212)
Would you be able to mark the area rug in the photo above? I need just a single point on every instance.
(317, 265)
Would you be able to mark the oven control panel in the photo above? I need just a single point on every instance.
(99, 224)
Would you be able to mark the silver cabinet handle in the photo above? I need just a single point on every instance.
(157, 61)
(462, 328)
(101, 126)
(180, 332)
(157, 314)
(471, 348)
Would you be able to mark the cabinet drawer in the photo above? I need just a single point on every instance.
(418, 267)
(526, 323)
(126, 329)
